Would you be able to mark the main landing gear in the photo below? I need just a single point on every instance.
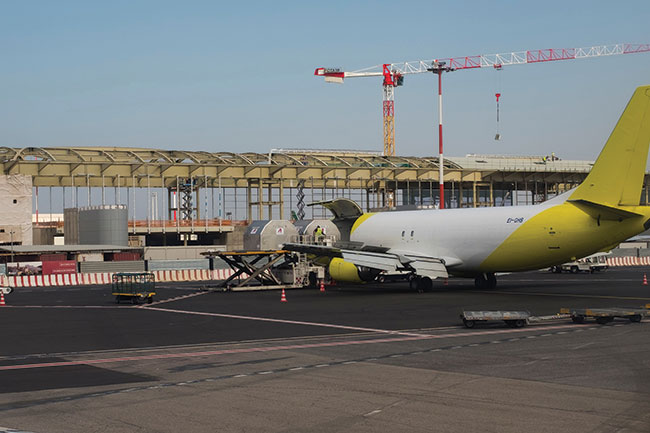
(485, 281)
(421, 284)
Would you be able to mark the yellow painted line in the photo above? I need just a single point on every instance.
(568, 295)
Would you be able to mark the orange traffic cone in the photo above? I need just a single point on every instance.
(645, 280)
(284, 297)
(2, 299)
(322, 285)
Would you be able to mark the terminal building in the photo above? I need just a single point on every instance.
(197, 199)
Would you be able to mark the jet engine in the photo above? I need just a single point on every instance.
(340, 270)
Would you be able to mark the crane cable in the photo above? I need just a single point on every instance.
(497, 136)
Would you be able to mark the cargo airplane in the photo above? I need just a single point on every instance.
(596, 216)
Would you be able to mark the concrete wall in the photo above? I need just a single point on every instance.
(178, 253)
(71, 226)
(98, 267)
(16, 205)
(161, 265)
(43, 235)
(235, 239)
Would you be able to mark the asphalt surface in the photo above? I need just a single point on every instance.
(355, 358)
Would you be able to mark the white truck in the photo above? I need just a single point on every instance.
(593, 263)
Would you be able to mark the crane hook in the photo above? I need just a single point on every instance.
(497, 136)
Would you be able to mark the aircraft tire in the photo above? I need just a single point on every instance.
(604, 320)
(485, 281)
(313, 280)
(424, 284)
(491, 281)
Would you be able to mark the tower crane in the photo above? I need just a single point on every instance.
(393, 74)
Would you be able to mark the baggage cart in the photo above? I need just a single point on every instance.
(605, 315)
(514, 319)
(134, 286)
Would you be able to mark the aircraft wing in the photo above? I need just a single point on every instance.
(425, 266)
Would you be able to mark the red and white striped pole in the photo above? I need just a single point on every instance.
(438, 67)
(441, 172)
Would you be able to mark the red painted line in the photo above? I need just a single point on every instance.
(269, 349)
(66, 306)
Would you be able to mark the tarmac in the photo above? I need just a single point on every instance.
(352, 359)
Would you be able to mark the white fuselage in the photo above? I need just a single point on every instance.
(464, 238)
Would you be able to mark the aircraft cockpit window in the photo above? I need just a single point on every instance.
(403, 233)
(412, 233)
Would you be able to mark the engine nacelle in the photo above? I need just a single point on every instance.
(340, 270)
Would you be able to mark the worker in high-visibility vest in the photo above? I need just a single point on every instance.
(318, 234)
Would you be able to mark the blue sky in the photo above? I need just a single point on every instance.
(238, 76)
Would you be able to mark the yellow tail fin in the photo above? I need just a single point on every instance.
(617, 176)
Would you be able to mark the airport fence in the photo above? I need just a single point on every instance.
(105, 277)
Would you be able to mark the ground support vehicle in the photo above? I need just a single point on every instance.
(267, 270)
(514, 319)
(605, 315)
(593, 263)
(134, 286)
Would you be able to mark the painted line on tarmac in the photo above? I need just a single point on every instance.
(275, 348)
(562, 280)
(67, 306)
(11, 430)
(243, 375)
(196, 346)
(565, 295)
(291, 322)
(177, 298)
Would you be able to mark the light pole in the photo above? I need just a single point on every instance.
(11, 234)
(438, 68)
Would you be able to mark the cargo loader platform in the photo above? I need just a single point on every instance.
(266, 270)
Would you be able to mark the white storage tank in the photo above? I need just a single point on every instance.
(103, 225)
(266, 235)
